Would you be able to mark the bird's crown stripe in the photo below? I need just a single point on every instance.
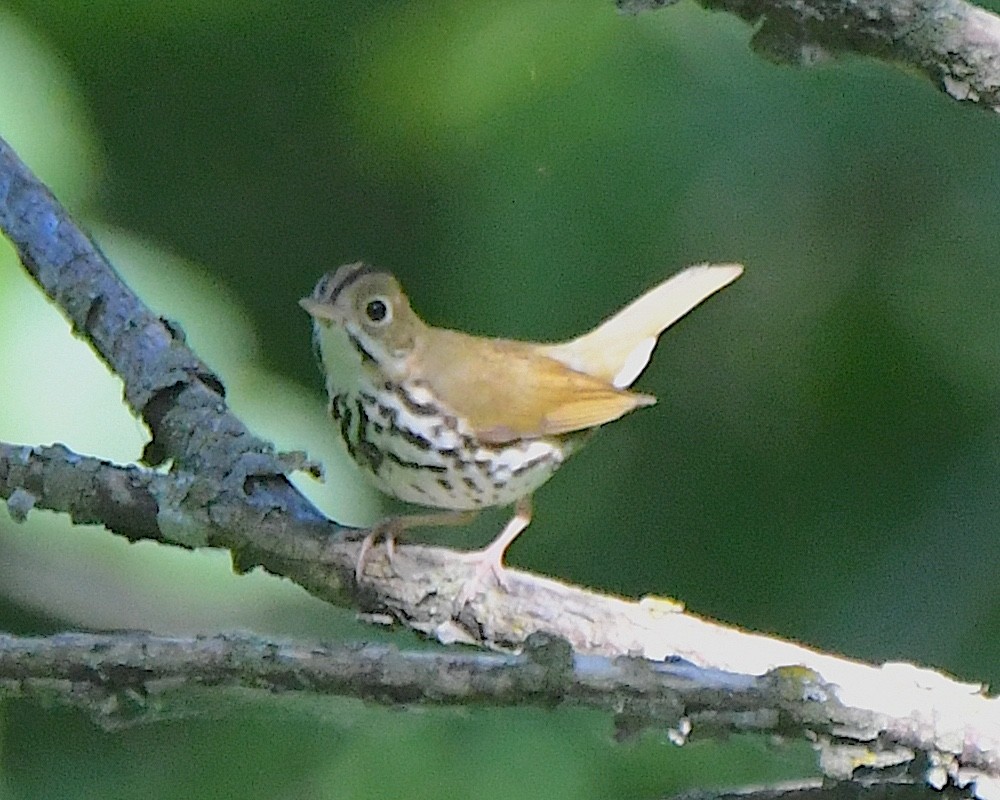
(333, 292)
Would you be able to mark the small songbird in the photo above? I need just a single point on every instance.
(451, 421)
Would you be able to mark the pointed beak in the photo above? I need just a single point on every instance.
(317, 310)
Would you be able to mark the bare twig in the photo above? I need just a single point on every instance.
(955, 43)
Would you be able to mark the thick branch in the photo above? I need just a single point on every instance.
(166, 384)
(956, 44)
(180, 509)
(858, 713)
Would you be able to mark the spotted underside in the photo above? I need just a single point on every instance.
(418, 452)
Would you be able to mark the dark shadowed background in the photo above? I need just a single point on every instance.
(823, 460)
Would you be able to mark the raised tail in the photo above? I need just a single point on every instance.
(619, 348)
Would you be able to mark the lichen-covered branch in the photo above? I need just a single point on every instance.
(165, 383)
(125, 678)
(955, 43)
(183, 509)
(89, 490)
(128, 677)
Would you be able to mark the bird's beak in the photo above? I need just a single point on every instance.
(317, 310)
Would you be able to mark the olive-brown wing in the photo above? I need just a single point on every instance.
(508, 390)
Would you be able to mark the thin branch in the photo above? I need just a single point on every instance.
(954, 43)
(124, 678)
(91, 670)
(903, 787)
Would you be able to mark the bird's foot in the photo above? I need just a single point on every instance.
(489, 562)
(385, 531)
(391, 528)
(488, 571)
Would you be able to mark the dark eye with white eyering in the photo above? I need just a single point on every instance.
(378, 311)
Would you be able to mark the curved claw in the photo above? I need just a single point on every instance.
(387, 530)
(391, 528)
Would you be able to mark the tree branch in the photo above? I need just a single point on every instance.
(954, 43)
(857, 714)
(165, 383)
(96, 671)
(227, 488)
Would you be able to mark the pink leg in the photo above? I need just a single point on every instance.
(489, 561)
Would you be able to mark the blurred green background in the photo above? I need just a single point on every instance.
(822, 462)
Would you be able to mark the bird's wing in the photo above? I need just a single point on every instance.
(507, 390)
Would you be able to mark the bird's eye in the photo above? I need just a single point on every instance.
(378, 311)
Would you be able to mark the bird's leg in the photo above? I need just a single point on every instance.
(489, 561)
(390, 529)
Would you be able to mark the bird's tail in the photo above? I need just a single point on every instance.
(619, 348)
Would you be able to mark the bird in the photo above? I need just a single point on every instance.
(450, 421)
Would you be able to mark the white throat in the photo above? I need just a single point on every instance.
(342, 363)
